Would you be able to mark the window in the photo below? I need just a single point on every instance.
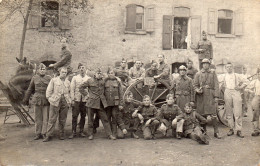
(225, 22)
(50, 14)
(180, 32)
(139, 19)
(225, 19)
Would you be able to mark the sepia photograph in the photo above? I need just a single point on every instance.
(129, 82)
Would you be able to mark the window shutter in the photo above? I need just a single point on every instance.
(167, 32)
(65, 21)
(35, 15)
(130, 17)
(212, 21)
(195, 30)
(239, 26)
(149, 18)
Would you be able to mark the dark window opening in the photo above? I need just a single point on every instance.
(139, 17)
(176, 65)
(50, 14)
(180, 31)
(225, 18)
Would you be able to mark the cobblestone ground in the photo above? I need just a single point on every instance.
(19, 148)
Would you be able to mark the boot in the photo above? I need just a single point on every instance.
(72, 135)
(81, 134)
(216, 135)
(178, 135)
(62, 136)
(255, 133)
(134, 135)
(174, 134)
(112, 137)
(239, 134)
(91, 137)
(46, 139)
(37, 137)
(231, 132)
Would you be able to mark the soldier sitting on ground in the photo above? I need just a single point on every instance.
(167, 115)
(191, 125)
(127, 122)
(150, 115)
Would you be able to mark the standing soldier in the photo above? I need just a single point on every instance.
(58, 95)
(191, 71)
(78, 101)
(207, 90)
(38, 88)
(163, 69)
(65, 60)
(114, 97)
(183, 88)
(204, 49)
(177, 35)
(123, 73)
(96, 102)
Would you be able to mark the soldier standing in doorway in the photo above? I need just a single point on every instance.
(191, 71)
(204, 49)
(177, 34)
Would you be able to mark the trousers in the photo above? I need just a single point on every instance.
(256, 112)
(149, 130)
(41, 119)
(79, 108)
(61, 111)
(233, 104)
(112, 112)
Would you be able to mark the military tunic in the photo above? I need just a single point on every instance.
(151, 73)
(164, 71)
(207, 51)
(123, 74)
(183, 90)
(191, 72)
(168, 113)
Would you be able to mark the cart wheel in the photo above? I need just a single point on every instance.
(221, 113)
(157, 92)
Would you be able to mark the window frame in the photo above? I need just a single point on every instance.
(225, 35)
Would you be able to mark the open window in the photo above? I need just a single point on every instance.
(50, 14)
(225, 21)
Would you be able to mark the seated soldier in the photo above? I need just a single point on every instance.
(150, 116)
(191, 125)
(123, 73)
(127, 122)
(153, 70)
(167, 115)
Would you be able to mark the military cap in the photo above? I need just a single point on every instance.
(204, 33)
(79, 65)
(98, 70)
(123, 60)
(41, 65)
(205, 61)
(182, 67)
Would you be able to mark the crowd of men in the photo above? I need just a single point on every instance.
(100, 96)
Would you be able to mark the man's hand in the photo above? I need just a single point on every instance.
(135, 114)
(120, 107)
(155, 77)
(124, 131)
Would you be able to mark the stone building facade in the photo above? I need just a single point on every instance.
(137, 29)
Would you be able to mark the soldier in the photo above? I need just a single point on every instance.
(177, 35)
(191, 125)
(163, 69)
(191, 71)
(78, 101)
(150, 115)
(114, 97)
(254, 88)
(58, 95)
(65, 60)
(38, 88)
(204, 49)
(167, 115)
(137, 71)
(234, 84)
(123, 73)
(207, 90)
(183, 88)
(96, 102)
(184, 30)
(125, 116)
(153, 70)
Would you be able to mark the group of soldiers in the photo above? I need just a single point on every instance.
(101, 97)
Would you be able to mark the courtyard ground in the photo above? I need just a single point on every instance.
(19, 148)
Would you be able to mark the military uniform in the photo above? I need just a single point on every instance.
(183, 90)
(65, 60)
(207, 51)
(164, 71)
(177, 36)
(151, 73)
(96, 102)
(207, 81)
(126, 121)
(191, 127)
(191, 72)
(37, 87)
(167, 115)
(123, 74)
(149, 113)
(114, 97)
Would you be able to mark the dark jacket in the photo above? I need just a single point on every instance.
(38, 88)
(151, 73)
(207, 49)
(191, 72)
(96, 97)
(65, 59)
(169, 112)
(113, 91)
(148, 112)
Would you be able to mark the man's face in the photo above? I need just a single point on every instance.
(188, 109)
(147, 102)
(154, 66)
(138, 64)
(42, 71)
(205, 66)
(123, 64)
(98, 75)
(229, 68)
(160, 58)
(129, 98)
(204, 36)
(189, 65)
(182, 72)
(184, 23)
(82, 69)
(170, 101)
(63, 73)
(111, 73)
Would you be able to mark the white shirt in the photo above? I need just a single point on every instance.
(230, 81)
(75, 84)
